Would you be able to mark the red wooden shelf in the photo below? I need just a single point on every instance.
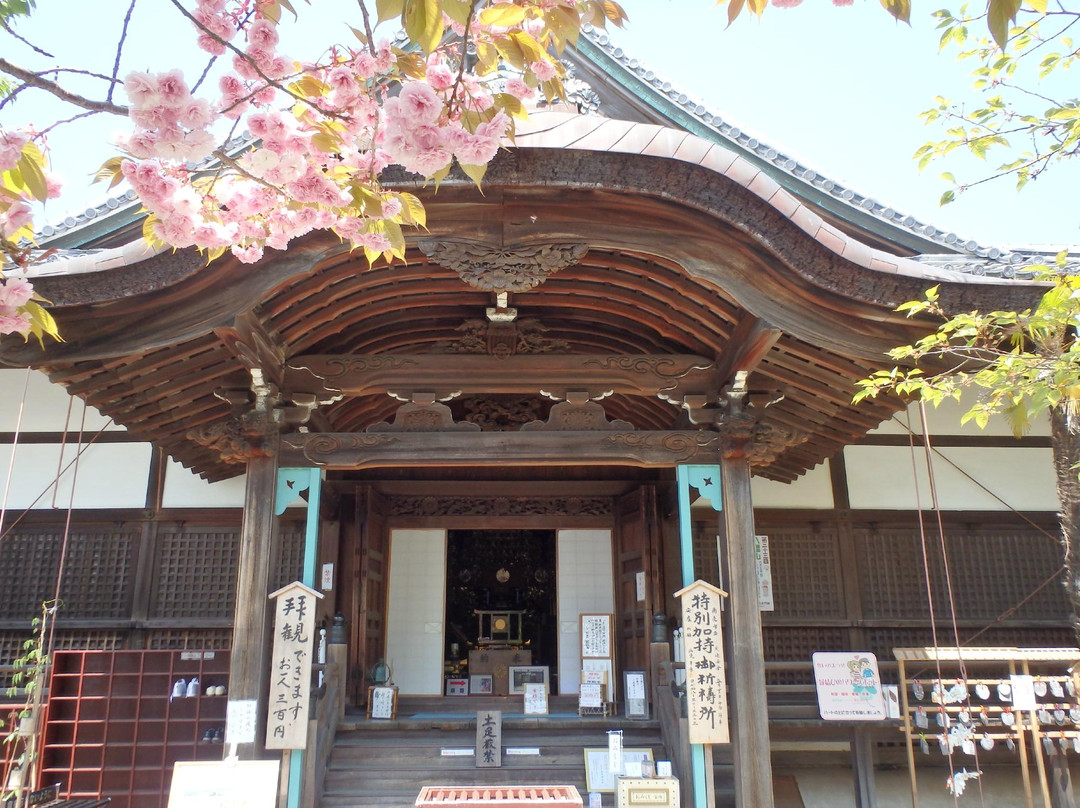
(113, 729)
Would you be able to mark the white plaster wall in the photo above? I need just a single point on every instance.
(830, 787)
(110, 475)
(46, 405)
(812, 490)
(945, 420)
(883, 477)
(584, 575)
(414, 624)
(183, 489)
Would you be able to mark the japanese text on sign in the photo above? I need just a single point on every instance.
(290, 671)
(706, 680)
(596, 635)
(488, 739)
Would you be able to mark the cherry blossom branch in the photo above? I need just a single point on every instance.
(51, 87)
(24, 40)
(459, 81)
(367, 27)
(258, 70)
(120, 49)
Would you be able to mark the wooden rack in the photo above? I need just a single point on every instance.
(113, 728)
(946, 667)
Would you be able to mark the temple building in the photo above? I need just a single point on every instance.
(627, 365)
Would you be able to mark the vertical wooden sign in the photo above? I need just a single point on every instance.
(489, 739)
(706, 680)
(290, 666)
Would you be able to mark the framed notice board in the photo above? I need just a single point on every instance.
(596, 636)
(382, 702)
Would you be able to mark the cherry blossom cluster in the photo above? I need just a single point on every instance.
(309, 161)
(16, 216)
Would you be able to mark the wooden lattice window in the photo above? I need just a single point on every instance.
(797, 644)
(190, 639)
(196, 575)
(805, 573)
(991, 572)
(97, 572)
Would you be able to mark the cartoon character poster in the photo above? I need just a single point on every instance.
(848, 686)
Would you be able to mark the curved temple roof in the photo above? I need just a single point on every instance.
(671, 245)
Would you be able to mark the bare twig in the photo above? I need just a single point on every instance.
(36, 80)
(120, 48)
(367, 27)
(31, 45)
(73, 118)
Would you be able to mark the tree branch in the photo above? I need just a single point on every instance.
(120, 49)
(51, 87)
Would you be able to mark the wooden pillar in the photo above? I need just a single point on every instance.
(750, 741)
(251, 642)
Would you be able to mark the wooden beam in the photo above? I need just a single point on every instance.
(443, 449)
(752, 339)
(667, 375)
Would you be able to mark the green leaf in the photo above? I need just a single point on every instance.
(389, 9)
(503, 15)
(457, 10)
(1000, 16)
(947, 197)
(424, 23)
(900, 9)
(475, 173)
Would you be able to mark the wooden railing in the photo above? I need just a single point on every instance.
(323, 724)
(668, 711)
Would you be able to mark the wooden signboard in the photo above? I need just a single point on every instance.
(596, 633)
(382, 702)
(706, 680)
(489, 739)
(290, 666)
(224, 784)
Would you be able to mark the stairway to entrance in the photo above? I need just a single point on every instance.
(384, 764)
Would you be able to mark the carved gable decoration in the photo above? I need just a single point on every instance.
(433, 417)
(503, 269)
(578, 417)
(502, 413)
(238, 438)
(526, 336)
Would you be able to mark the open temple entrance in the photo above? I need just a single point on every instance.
(500, 607)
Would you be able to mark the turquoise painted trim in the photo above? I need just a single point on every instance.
(291, 482)
(706, 480)
(296, 776)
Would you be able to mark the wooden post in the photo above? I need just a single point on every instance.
(750, 746)
(862, 761)
(249, 662)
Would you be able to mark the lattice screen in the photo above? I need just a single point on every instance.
(705, 562)
(193, 639)
(798, 643)
(806, 573)
(991, 572)
(196, 576)
(97, 572)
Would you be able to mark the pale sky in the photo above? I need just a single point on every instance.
(839, 89)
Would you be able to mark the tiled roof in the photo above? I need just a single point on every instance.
(959, 254)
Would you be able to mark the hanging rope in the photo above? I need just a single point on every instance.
(942, 713)
(935, 500)
(14, 448)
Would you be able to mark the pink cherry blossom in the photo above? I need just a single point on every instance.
(249, 254)
(11, 146)
(440, 77)
(263, 35)
(15, 292)
(17, 216)
(14, 323)
(172, 89)
(519, 89)
(543, 70)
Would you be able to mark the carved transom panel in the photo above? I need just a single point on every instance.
(500, 506)
(528, 336)
(503, 269)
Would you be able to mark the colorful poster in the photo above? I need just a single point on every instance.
(848, 686)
